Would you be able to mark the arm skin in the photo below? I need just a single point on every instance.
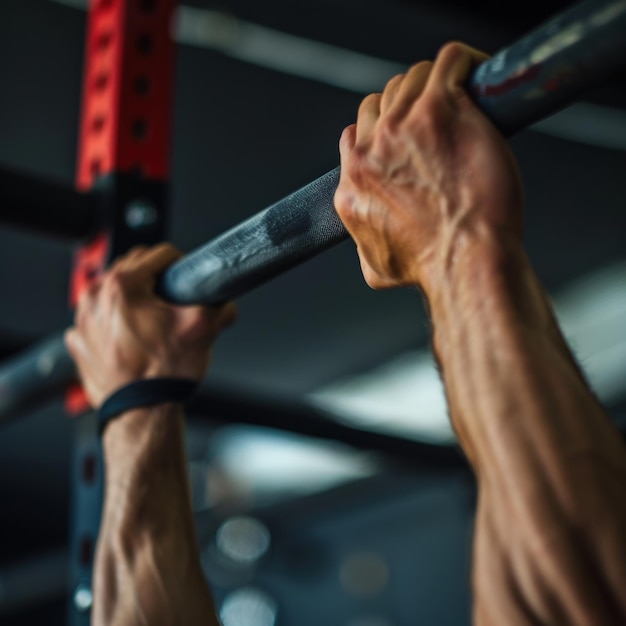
(147, 569)
(432, 196)
(550, 543)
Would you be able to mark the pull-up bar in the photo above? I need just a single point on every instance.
(531, 79)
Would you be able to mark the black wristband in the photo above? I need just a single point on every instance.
(149, 392)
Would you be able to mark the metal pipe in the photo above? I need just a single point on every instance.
(45, 207)
(35, 581)
(38, 375)
(219, 406)
(529, 80)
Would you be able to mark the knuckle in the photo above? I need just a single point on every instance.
(80, 316)
(393, 81)
(165, 247)
(358, 164)
(69, 338)
(373, 283)
(347, 138)
(117, 280)
(453, 49)
(84, 303)
(168, 250)
(421, 66)
(431, 114)
(348, 208)
(136, 250)
(370, 100)
(344, 204)
(389, 125)
(372, 279)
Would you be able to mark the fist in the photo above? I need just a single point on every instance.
(425, 174)
(123, 332)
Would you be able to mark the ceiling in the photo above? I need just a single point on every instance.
(244, 137)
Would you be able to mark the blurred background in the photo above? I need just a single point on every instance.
(346, 528)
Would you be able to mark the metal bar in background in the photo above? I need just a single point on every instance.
(26, 584)
(46, 367)
(45, 207)
(219, 407)
(529, 80)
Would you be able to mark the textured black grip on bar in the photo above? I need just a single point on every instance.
(283, 235)
(518, 86)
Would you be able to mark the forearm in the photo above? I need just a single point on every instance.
(147, 566)
(550, 465)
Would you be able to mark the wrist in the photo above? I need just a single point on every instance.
(488, 277)
(482, 259)
(142, 438)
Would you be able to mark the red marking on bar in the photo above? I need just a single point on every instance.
(551, 84)
(511, 83)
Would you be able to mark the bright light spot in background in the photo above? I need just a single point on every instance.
(592, 314)
(248, 607)
(243, 539)
(275, 463)
(405, 396)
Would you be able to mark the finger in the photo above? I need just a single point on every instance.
(346, 198)
(130, 259)
(228, 315)
(87, 302)
(70, 338)
(453, 66)
(208, 321)
(368, 115)
(220, 317)
(75, 346)
(390, 91)
(347, 142)
(159, 258)
(373, 278)
(412, 87)
(149, 265)
(345, 189)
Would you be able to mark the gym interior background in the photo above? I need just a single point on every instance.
(297, 530)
